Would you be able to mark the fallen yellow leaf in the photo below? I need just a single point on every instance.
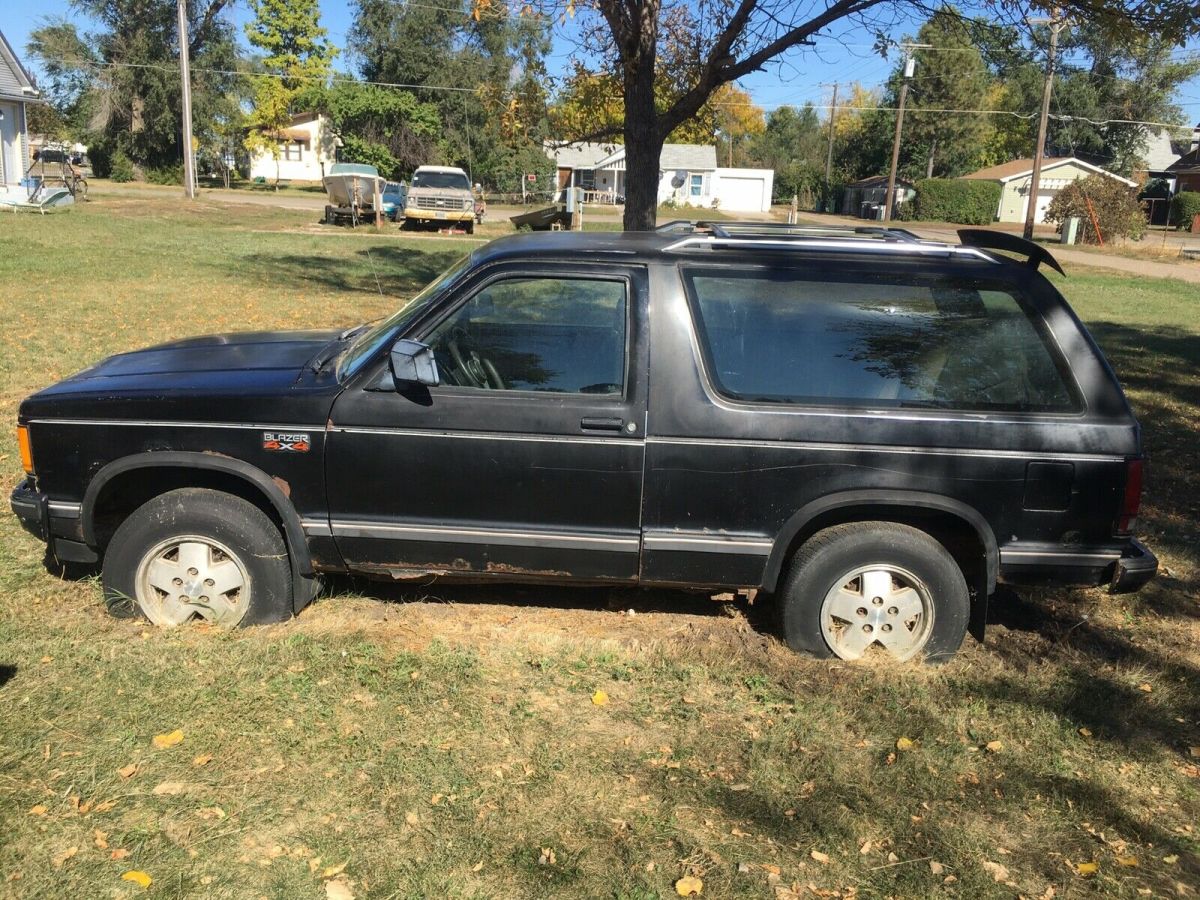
(169, 789)
(600, 698)
(170, 739)
(1127, 861)
(1145, 687)
(904, 744)
(101, 838)
(819, 856)
(994, 746)
(139, 878)
(689, 886)
(1087, 868)
(1172, 859)
(64, 856)
(202, 760)
(1194, 751)
(330, 871)
(997, 871)
(338, 889)
(128, 771)
(38, 810)
(1085, 732)
(119, 853)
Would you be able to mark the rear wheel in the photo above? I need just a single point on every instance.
(197, 554)
(875, 587)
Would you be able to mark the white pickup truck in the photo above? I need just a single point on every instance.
(440, 195)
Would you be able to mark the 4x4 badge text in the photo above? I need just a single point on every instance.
(285, 442)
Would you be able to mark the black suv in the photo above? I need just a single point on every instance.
(871, 427)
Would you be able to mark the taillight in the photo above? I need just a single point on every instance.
(1132, 501)
(26, 450)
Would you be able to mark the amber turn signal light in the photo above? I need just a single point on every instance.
(26, 451)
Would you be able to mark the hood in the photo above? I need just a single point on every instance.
(251, 364)
(240, 352)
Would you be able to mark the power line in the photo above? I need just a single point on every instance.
(246, 74)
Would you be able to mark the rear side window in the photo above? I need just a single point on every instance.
(874, 339)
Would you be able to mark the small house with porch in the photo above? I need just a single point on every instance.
(306, 149)
(17, 91)
(688, 176)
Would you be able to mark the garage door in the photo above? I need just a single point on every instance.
(742, 194)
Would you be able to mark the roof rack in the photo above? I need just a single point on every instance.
(730, 229)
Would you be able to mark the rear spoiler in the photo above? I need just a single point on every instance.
(985, 239)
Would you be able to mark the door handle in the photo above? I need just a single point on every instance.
(594, 424)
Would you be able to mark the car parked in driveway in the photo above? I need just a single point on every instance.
(872, 428)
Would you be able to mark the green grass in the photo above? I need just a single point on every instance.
(437, 742)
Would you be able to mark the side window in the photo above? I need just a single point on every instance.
(697, 185)
(555, 335)
(874, 340)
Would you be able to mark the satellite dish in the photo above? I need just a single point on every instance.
(679, 179)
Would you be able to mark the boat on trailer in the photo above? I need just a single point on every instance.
(351, 189)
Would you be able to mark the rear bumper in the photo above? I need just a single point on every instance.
(1134, 569)
(1124, 567)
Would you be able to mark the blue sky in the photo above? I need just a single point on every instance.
(805, 76)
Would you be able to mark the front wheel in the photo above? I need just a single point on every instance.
(872, 587)
(198, 554)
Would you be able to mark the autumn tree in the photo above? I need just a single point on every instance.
(722, 41)
(295, 56)
(737, 121)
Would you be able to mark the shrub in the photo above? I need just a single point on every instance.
(165, 175)
(960, 200)
(1115, 206)
(120, 167)
(1184, 208)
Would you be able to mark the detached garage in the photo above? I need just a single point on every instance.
(1015, 180)
(743, 190)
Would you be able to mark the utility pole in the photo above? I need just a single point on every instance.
(829, 154)
(909, 65)
(1057, 23)
(185, 76)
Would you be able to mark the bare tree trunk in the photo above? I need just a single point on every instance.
(643, 143)
(932, 151)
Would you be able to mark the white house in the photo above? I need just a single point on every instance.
(307, 148)
(1015, 179)
(688, 176)
(16, 91)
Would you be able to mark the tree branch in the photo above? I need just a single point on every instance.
(199, 33)
(719, 69)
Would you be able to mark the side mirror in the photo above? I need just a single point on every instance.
(413, 362)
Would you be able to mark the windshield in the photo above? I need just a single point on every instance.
(456, 181)
(373, 338)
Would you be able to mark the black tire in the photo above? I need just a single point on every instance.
(470, 227)
(242, 533)
(328, 220)
(828, 556)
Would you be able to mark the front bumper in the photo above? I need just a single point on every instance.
(1134, 569)
(57, 523)
(439, 215)
(32, 509)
